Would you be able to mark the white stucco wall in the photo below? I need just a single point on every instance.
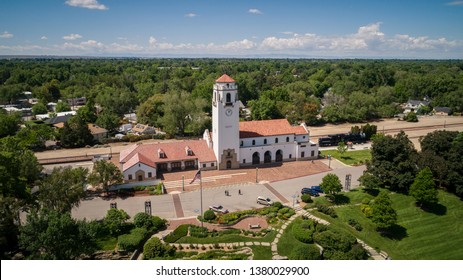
(139, 166)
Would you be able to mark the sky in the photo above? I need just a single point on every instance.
(405, 29)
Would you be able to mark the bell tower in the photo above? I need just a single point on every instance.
(225, 122)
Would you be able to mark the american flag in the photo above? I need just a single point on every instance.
(197, 176)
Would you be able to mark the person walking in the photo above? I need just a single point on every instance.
(239, 192)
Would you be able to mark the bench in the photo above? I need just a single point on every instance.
(254, 226)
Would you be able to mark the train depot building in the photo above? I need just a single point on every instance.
(231, 144)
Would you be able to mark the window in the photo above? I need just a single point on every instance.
(265, 141)
(150, 174)
(290, 155)
(287, 139)
(244, 160)
(212, 164)
(312, 153)
(241, 143)
(302, 154)
(228, 154)
(204, 165)
(228, 98)
(130, 176)
(253, 142)
(276, 140)
(303, 137)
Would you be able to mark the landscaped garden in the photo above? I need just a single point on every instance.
(418, 234)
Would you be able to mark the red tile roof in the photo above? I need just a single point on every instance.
(269, 128)
(174, 151)
(225, 79)
(138, 158)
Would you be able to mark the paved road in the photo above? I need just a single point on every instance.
(187, 204)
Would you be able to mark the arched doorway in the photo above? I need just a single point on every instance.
(255, 158)
(267, 157)
(229, 164)
(279, 156)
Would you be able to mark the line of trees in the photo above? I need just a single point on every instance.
(300, 90)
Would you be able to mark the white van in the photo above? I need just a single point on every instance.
(264, 201)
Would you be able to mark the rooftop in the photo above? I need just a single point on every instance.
(174, 151)
(269, 128)
(225, 79)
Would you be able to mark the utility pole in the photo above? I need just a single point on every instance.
(257, 172)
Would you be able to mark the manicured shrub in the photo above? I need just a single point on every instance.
(155, 249)
(200, 232)
(355, 224)
(151, 223)
(305, 253)
(327, 210)
(133, 240)
(306, 198)
(178, 233)
(209, 215)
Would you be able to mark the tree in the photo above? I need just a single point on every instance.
(105, 174)
(9, 123)
(51, 235)
(393, 161)
(209, 215)
(155, 249)
(108, 119)
(87, 113)
(411, 117)
(342, 148)
(76, 133)
(369, 181)
(39, 108)
(423, 188)
(181, 113)
(151, 111)
(331, 184)
(115, 221)
(63, 189)
(149, 222)
(383, 215)
(62, 107)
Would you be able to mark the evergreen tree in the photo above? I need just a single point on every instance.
(383, 215)
(423, 188)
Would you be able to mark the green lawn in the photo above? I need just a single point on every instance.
(419, 234)
(262, 252)
(350, 157)
(287, 242)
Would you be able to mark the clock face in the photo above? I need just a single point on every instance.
(229, 112)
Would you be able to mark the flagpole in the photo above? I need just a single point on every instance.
(201, 193)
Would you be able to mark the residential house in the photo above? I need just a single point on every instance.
(414, 105)
(140, 129)
(442, 111)
(99, 134)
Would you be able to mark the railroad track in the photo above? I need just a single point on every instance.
(392, 130)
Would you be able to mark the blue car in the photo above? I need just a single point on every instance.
(309, 191)
(317, 189)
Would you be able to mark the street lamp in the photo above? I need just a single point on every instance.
(257, 172)
(329, 161)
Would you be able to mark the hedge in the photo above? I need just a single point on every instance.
(178, 233)
(133, 240)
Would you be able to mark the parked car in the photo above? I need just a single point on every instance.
(218, 209)
(264, 201)
(309, 191)
(317, 189)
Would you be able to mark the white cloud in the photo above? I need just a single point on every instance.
(152, 40)
(72, 36)
(455, 3)
(6, 35)
(191, 15)
(254, 11)
(367, 41)
(44, 38)
(88, 4)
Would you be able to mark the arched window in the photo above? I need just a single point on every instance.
(253, 142)
(265, 141)
(276, 140)
(228, 98)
